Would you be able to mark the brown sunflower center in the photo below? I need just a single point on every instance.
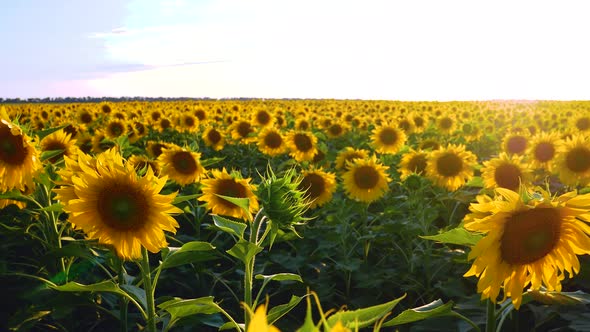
(184, 162)
(446, 123)
(303, 142)
(419, 122)
(200, 114)
(122, 207)
(273, 140)
(165, 124)
(214, 136)
(230, 188)
(516, 144)
(244, 129)
(544, 151)
(85, 117)
(155, 116)
(417, 164)
(335, 129)
(303, 125)
(449, 165)
(313, 185)
(578, 160)
(189, 121)
(530, 235)
(12, 149)
(433, 145)
(405, 125)
(55, 145)
(508, 176)
(583, 123)
(388, 136)
(366, 177)
(156, 149)
(263, 117)
(106, 109)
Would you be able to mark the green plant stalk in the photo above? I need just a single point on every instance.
(249, 265)
(123, 300)
(491, 316)
(149, 293)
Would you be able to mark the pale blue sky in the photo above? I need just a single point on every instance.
(403, 50)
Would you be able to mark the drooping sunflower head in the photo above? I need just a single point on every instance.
(19, 159)
(109, 202)
(59, 141)
(543, 149)
(271, 142)
(302, 145)
(214, 138)
(349, 154)
(515, 143)
(529, 241)
(573, 163)
(413, 162)
(429, 144)
(366, 180)
(155, 149)
(388, 138)
(232, 185)
(450, 167)
(319, 186)
(506, 172)
(180, 165)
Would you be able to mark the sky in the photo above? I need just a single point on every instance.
(394, 50)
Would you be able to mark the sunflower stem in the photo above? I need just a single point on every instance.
(249, 266)
(149, 294)
(123, 301)
(491, 316)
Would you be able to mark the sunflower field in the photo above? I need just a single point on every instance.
(295, 215)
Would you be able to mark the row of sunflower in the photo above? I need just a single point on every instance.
(368, 148)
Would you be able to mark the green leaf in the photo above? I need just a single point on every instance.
(432, 309)
(55, 207)
(184, 198)
(244, 251)
(179, 308)
(279, 277)
(459, 236)
(50, 154)
(363, 317)
(104, 286)
(138, 294)
(231, 326)
(243, 203)
(191, 252)
(476, 181)
(279, 311)
(46, 132)
(211, 161)
(230, 226)
(14, 195)
(308, 324)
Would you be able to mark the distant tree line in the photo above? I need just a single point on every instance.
(94, 99)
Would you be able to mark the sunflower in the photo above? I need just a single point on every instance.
(302, 124)
(100, 143)
(318, 187)
(450, 167)
(259, 322)
(115, 128)
(214, 138)
(336, 130)
(387, 139)
(366, 180)
(189, 123)
(140, 163)
(302, 145)
(19, 159)
(155, 149)
(429, 144)
(115, 206)
(413, 162)
(505, 172)
(242, 131)
(573, 164)
(582, 123)
(527, 243)
(515, 144)
(271, 142)
(263, 118)
(231, 185)
(446, 124)
(349, 154)
(59, 140)
(543, 150)
(180, 165)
